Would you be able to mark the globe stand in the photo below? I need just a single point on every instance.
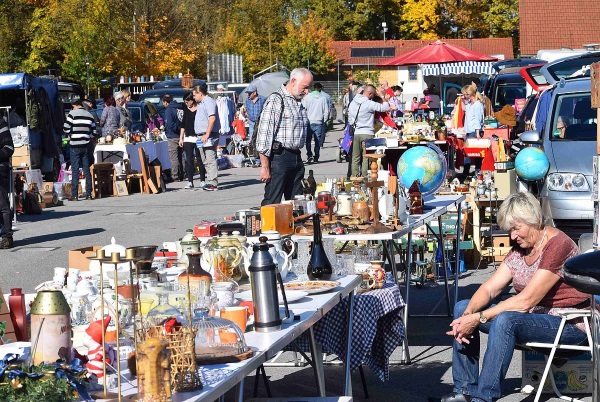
(374, 184)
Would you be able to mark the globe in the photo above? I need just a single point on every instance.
(531, 164)
(424, 163)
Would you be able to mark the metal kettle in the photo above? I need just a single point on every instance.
(264, 277)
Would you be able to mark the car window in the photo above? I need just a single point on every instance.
(136, 114)
(507, 93)
(574, 119)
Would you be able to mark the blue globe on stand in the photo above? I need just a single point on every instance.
(531, 164)
(424, 163)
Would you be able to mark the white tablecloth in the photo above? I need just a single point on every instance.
(116, 153)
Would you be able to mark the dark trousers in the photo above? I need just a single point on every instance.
(192, 155)
(175, 155)
(5, 212)
(287, 171)
(80, 159)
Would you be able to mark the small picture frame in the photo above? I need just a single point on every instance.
(121, 187)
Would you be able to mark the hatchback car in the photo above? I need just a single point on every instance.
(566, 131)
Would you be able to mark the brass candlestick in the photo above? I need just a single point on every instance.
(135, 295)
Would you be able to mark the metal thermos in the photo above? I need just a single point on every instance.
(264, 276)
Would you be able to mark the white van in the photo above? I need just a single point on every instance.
(551, 55)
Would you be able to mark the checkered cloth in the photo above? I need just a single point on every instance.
(377, 329)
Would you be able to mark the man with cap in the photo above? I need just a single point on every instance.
(254, 107)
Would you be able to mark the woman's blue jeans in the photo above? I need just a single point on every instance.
(505, 331)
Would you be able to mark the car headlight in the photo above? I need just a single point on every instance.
(567, 182)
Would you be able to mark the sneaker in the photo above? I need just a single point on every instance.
(209, 187)
(189, 186)
(88, 197)
(73, 199)
(202, 184)
(310, 160)
(6, 243)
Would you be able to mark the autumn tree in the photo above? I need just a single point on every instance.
(254, 29)
(421, 19)
(307, 44)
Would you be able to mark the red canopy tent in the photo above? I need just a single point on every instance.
(436, 53)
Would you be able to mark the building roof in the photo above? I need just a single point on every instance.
(490, 46)
(574, 28)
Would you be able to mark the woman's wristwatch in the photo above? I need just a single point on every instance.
(482, 319)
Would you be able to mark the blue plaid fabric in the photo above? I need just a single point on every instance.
(377, 329)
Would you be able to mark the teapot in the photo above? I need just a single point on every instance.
(188, 244)
(222, 257)
(278, 253)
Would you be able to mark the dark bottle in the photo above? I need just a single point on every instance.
(319, 266)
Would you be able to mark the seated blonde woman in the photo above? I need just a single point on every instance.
(534, 267)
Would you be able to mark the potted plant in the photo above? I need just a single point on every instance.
(438, 125)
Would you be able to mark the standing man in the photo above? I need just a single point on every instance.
(317, 109)
(79, 128)
(361, 113)
(348, 97)
(281, 134)
(329, 121)
(7, 149)
(254, 106)
(206, 126)
(172, 131)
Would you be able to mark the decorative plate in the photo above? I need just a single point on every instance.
(312, 287)
(291, 295)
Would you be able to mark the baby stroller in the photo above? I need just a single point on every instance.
(242, 147)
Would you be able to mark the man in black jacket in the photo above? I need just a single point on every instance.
(6, 151)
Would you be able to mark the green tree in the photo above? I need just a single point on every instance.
(15, 16)
(254, 29)
(422, 19)
(307, 44)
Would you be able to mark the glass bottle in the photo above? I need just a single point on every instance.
(161, 313)
(196, 275)
(319, 266)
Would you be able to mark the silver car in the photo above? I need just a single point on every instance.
(568, 137)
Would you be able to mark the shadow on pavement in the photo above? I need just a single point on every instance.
(238, 183)
(55, 236)
(51, 214)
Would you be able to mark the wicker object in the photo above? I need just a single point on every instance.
(154, 382)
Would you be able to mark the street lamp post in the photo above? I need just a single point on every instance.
(470, 32)
(384, 29)
(87, 73)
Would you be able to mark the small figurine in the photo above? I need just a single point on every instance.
(95, 355)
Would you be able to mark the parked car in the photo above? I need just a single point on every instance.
(566, 131)
(175, 83)
(70, 91)
(138, 112)
(155, 96)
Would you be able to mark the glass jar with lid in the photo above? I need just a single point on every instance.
(162, 312)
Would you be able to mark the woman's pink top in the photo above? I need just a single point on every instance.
(552, 258)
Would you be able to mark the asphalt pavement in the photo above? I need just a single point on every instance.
(42, 243)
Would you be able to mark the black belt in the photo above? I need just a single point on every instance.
(292, 151)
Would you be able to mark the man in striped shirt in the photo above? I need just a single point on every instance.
(6, 150)
(79, 128)
(280, 137)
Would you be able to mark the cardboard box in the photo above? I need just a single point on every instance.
(205, 229)
(277, 217)
(78, 257)
(498, 132)
(506, 183)
(574, 377)
(20, 156)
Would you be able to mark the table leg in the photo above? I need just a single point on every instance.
(457, 251)
(348, 378)
(444, 265)
(388, 249)
(317, 357)
(239, 391)
(405, 351)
